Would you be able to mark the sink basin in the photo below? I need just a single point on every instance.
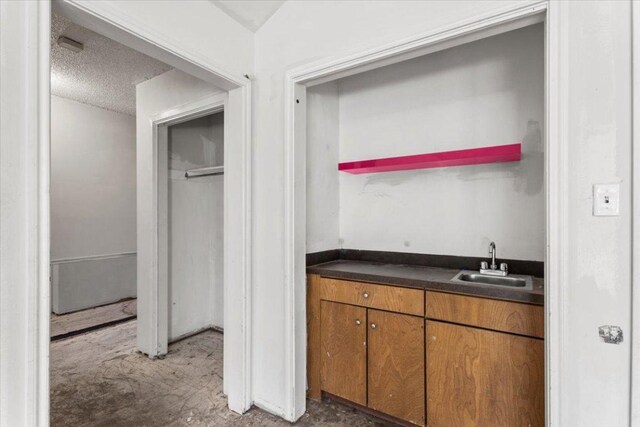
(510, 281)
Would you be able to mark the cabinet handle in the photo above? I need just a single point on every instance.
(373, 326)
(366, 295)
(358, 322)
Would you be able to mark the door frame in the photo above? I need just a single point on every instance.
(101, 18)
(635, 250)
(24, 180)
(297, 80)
(157, 323)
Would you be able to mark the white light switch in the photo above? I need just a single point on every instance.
(606, 199)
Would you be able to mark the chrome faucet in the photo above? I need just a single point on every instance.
(492, 270)
(492, 252)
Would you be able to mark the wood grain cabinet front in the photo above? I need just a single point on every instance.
(473, 362)
(396, 365)
(382, 297)
(505, 316)
(343, 341)
(477, 377)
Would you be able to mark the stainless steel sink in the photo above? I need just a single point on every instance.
(510, 281)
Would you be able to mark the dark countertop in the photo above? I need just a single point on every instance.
(427, 278)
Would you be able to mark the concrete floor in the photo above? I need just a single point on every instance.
(99, 379)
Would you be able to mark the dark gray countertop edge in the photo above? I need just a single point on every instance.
(481, 291)
(528, 268)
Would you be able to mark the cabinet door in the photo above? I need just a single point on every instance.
(343, 340)
(483, 378)
(396, 365)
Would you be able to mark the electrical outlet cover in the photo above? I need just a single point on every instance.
(606, 199)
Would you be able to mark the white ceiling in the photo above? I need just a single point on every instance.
(249, 13)
(104, 74)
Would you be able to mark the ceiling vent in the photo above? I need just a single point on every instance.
(72, 45)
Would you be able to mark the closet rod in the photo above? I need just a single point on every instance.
(213, 170)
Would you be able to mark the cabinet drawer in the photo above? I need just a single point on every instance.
(505, 316)
(390, 298)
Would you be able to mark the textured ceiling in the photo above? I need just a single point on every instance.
(249, 13)
(104, 74)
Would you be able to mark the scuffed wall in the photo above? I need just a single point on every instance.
(196, 228)
(490, 92)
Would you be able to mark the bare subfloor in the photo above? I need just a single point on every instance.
(92, 318)
(99, 379)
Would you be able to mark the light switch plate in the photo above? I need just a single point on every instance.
(606, 199)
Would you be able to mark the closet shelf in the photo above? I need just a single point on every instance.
(212, 170)
(470, 156)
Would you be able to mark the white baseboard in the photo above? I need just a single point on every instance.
(85, 282)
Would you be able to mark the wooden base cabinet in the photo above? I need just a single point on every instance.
(373, 358)
(477, 377)
(426, 357)
(343, 341)
(396, 365)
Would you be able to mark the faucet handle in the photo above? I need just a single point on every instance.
(504, 267)
(484, 265)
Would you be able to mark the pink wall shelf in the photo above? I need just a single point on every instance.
(471, 156)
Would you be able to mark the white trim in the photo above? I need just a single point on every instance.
(556, 165)
(210, 104)
(462, 32)
(635, 268)
(24, 202)
(508, 19)
(43, 297)
(103, 18)
(92, 257)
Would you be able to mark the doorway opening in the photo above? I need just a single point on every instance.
(195, 225)
(329, 93)
(103, 96)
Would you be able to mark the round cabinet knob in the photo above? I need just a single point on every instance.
(373, 326)
(365, 295)
(358, 322)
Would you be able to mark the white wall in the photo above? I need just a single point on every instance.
(196, 227)
(93, 205)
(599, 88)
(490, 92)
(323, 155)
(153, 97)
(93, 180)
(599, 258)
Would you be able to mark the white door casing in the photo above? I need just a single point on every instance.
(24, 213)
(635, 301)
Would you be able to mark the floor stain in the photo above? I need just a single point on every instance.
(99, 379)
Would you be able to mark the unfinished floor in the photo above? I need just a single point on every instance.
(93, 318)
(99, 379)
